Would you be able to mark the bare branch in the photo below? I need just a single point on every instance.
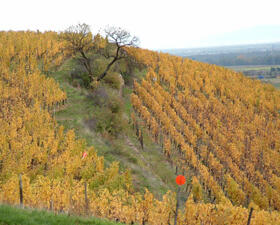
(120, 38)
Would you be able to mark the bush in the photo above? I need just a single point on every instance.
(98, 65)
(78, 75)
(116, 105)
(99, 96)
(110, 122)
(113, 80)
(108, 117)
(77, 83)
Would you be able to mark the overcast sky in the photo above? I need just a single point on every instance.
(158, 24)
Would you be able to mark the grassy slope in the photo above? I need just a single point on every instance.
(12, 216)
(149, 167)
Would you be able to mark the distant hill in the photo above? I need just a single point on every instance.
(260, 38)
(235, 55)
(249, 48)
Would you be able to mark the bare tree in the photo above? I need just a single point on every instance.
(119, 38)
(79, 41)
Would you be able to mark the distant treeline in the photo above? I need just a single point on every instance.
(236, 59)
(273, 72)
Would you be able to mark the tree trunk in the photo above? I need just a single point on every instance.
(110, 64)
(86, 63)
(107, 69)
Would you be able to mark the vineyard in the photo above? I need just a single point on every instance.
(220, 128)
(215, 124)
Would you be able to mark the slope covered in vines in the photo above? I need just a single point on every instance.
(224, 126)
(56, 167)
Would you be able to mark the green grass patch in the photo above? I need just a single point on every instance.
(12, 216)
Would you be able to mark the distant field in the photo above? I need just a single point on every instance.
(251, 67)
(275, 82)
(256, 70)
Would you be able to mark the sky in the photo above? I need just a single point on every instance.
(158, 24)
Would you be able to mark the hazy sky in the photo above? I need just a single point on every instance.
(158, 24)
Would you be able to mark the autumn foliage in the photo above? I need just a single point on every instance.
(216, 125)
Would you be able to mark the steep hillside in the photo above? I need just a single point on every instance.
(189, 118)
(216, 125)
(58, 170)
(50, 159)
(149, 167)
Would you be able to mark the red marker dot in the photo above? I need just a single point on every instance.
(180, 180)
(84, 155)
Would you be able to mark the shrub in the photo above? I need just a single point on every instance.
(108, 116)
(110, 122)
(79, 75)
(99, 96)
(77, 83)
(99, 66)
(113, 80)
